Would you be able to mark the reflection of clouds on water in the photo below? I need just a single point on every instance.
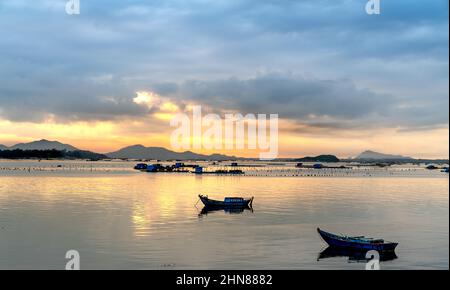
(166, 205)
(140, 220)
(163, 204)
(152, 209)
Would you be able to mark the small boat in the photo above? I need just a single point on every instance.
(140, 166)
(360, 242)
(227, 202)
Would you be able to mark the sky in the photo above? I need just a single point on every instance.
(341, 81)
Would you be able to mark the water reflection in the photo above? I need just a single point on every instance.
(354, 256)
(230, 210)
(143, 221)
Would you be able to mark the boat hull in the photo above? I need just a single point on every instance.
(211, 203)
(336, 241)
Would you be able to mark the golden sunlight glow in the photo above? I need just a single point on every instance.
(164, 116)
(148, 99)
(155, 130)
(164, 109)
(167, 111)
(169, 107)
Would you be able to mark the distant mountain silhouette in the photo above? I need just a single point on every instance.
(50, 154)
(142, 152)
(43, 145)
(48, 149)
(83, 154)
(320, 158)
(372, 155)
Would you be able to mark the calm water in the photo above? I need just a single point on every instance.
(132, 220)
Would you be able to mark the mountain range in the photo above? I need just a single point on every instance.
(372, 155)
(41, 145)
(130, 152)
(142, 152)
(320, 158)
(67, 151)
(160, 153)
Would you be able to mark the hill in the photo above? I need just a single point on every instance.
(43, 145)
(142, 152)
(319, 158)
(50, 154)
(372, 155)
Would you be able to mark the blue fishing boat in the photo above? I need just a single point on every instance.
(140, 166)
(227, 202)
(360, 242)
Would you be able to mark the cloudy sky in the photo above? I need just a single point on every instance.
(342, 81)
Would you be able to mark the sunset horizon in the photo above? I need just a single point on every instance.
(251, 154)
(224, 143)
(332, 95)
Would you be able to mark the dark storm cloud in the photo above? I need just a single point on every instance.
(333, 62)
(335, 104)
(292, 97)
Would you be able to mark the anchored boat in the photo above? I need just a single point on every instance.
(360, 242)
(227, 202)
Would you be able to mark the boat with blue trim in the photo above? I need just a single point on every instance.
(227, 202)
(359, 242)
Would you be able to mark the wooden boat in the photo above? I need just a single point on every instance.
(227, 202)
(360, 242)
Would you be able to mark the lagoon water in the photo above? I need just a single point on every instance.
(118, 218)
